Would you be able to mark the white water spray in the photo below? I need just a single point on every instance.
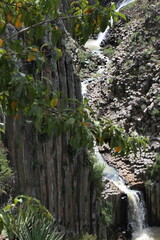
(136, 204)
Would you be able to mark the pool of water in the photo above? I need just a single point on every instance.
(150, 233)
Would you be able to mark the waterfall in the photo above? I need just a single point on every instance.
(136, 204)
(95, 44)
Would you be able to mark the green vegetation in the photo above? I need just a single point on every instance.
(154, 170)
(27, 219)
(29, 96)
(6, 174)
(155, 112)
(88, 18)
(106, 213)
(96, 172)
(109, 51)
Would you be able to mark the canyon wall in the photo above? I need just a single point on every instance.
(46, 168)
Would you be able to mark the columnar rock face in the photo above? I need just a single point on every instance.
(46, 169)
(153, 203)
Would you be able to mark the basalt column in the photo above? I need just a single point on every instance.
(44, 167)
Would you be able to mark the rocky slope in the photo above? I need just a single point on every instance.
(127, 89)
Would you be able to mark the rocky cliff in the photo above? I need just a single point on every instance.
(127, 90)
(45, 168)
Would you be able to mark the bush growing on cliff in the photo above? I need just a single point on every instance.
(6, 174)
(154, 170)
(106, 213)
(109, 51)
(96, 171)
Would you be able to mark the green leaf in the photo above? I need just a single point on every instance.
(54, 102)
(32, 93)
(1, 223)
(70, 121)
(2, 28)
(120, 15)
(58, 54)
(113, 7)
(56, 36)
(9, 206)
(17, 46)
(2, 52)
(104, 22)
(85, 101)
(18, 200)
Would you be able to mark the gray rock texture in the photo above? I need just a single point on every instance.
(127, 90)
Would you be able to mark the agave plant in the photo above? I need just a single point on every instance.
(27, 219)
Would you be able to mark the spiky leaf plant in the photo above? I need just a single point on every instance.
(28, 219)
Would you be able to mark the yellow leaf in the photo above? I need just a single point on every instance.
(2, 23)
(19, 4)
(100, 139)
(89, 10)
(118, 149)
(54, 102)
(85, 124)
(18, 23)
(34, 49)
(98, 20)
(30, 58)
(1, 42)
(56, 28)
(13, 104)
(77, 27)
(9, 17)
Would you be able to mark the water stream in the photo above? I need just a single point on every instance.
(136, 205)
(93, 44)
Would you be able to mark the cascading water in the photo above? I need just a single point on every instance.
(95, 44)
(136, 205)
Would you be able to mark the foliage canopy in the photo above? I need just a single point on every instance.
(24, 26)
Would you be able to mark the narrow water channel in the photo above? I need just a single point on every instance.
(136, 205)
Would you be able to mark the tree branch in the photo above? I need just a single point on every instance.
(43, 22)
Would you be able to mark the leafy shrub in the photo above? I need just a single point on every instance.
(109, 51)
(96, 172)
(106, 213)
(27, 219)
(6, 174)
(155, 169)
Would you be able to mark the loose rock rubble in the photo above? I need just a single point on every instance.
(127, 90)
